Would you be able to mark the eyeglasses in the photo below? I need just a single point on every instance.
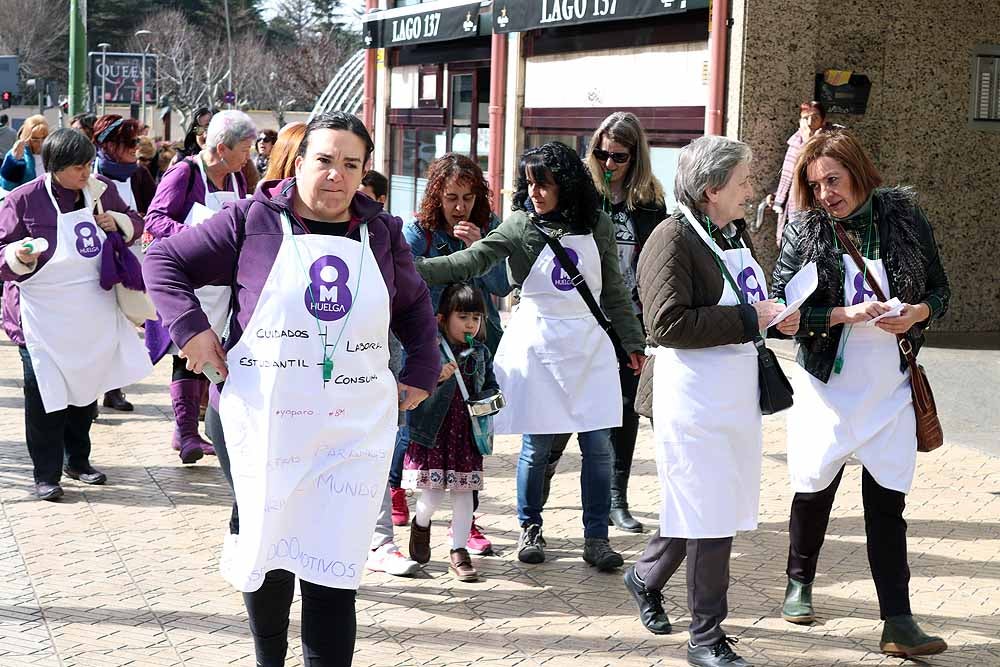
(619, 158)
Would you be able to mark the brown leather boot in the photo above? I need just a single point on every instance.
(420, 542)
(461, 565)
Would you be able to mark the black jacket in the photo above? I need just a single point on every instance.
(908, 250)
(645, 218)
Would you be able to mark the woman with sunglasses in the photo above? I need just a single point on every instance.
(622, 171)
(194, 139)
(189, 194)
(116, 139)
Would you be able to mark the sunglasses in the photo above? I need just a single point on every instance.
(619, 158)
(198, 131)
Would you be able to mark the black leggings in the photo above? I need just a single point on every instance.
(180, 371)
(328, 621)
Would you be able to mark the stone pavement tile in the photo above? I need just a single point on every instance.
(127, 574)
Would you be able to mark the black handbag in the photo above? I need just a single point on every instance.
(775, 389)
(581, 286)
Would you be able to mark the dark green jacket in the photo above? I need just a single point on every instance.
(518, 242)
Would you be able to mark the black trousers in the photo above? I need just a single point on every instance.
(885, 530)
(328, 621)
(707, 579)
(622, 441)
(54, 437)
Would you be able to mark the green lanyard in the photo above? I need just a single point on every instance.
(838, 363)
(726, 274)
(605, 206)
(322, 335)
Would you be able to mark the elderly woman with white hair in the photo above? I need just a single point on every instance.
(191, 192)
(705, 301)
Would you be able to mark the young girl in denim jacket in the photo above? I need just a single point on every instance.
(443, 454)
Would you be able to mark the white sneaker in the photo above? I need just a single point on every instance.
(389, 559)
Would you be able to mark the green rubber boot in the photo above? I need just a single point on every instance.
(902, 637)
(798, 606)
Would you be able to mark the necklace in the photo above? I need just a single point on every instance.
(329, 351)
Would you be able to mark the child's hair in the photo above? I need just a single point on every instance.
(462, 298)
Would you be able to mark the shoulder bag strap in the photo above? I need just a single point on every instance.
(461, 385)
(581, 286)
(904, 343)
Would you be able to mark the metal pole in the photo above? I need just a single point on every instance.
(142, 102)
(77, 57)
(104, 78)
(145, 35)
(229, 46)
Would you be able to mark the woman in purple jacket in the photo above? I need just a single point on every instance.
(193, 190)
(75, 342)
(309, 406)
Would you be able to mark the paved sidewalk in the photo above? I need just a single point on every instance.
(127, 574)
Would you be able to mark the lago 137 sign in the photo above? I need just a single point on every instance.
(413, 26)
(520, 15)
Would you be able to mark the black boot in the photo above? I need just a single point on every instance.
(115, 399)
(623, 520)
(620, 516)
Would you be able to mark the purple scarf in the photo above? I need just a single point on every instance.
(120, 171)
(119, 265)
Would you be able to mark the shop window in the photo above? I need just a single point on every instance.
(429, 84)
(577, 142)
(413, 150)
(663, 158)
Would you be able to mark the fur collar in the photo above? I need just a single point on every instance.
(899, 226)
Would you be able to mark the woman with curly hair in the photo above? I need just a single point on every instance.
(555, 364)
(455, 213)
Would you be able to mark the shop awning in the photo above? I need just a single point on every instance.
(437, 21)
(521, 15)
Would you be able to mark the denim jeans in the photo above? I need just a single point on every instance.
(595, 479)
(396, 467)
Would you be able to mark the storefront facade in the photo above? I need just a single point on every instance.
(568, 65)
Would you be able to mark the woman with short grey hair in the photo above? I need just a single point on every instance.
(75, 342)
(705, 302)
(191, 192)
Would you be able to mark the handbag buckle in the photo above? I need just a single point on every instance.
(577, 280)
(905, 346)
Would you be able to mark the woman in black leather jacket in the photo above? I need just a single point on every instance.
(853, 398)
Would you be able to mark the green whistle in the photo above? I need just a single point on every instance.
(327, 369)
(469, 340)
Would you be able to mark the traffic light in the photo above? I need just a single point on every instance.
(6, 99)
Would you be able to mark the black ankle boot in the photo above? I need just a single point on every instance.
(623, 519)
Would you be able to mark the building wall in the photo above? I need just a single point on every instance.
(917, 54)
